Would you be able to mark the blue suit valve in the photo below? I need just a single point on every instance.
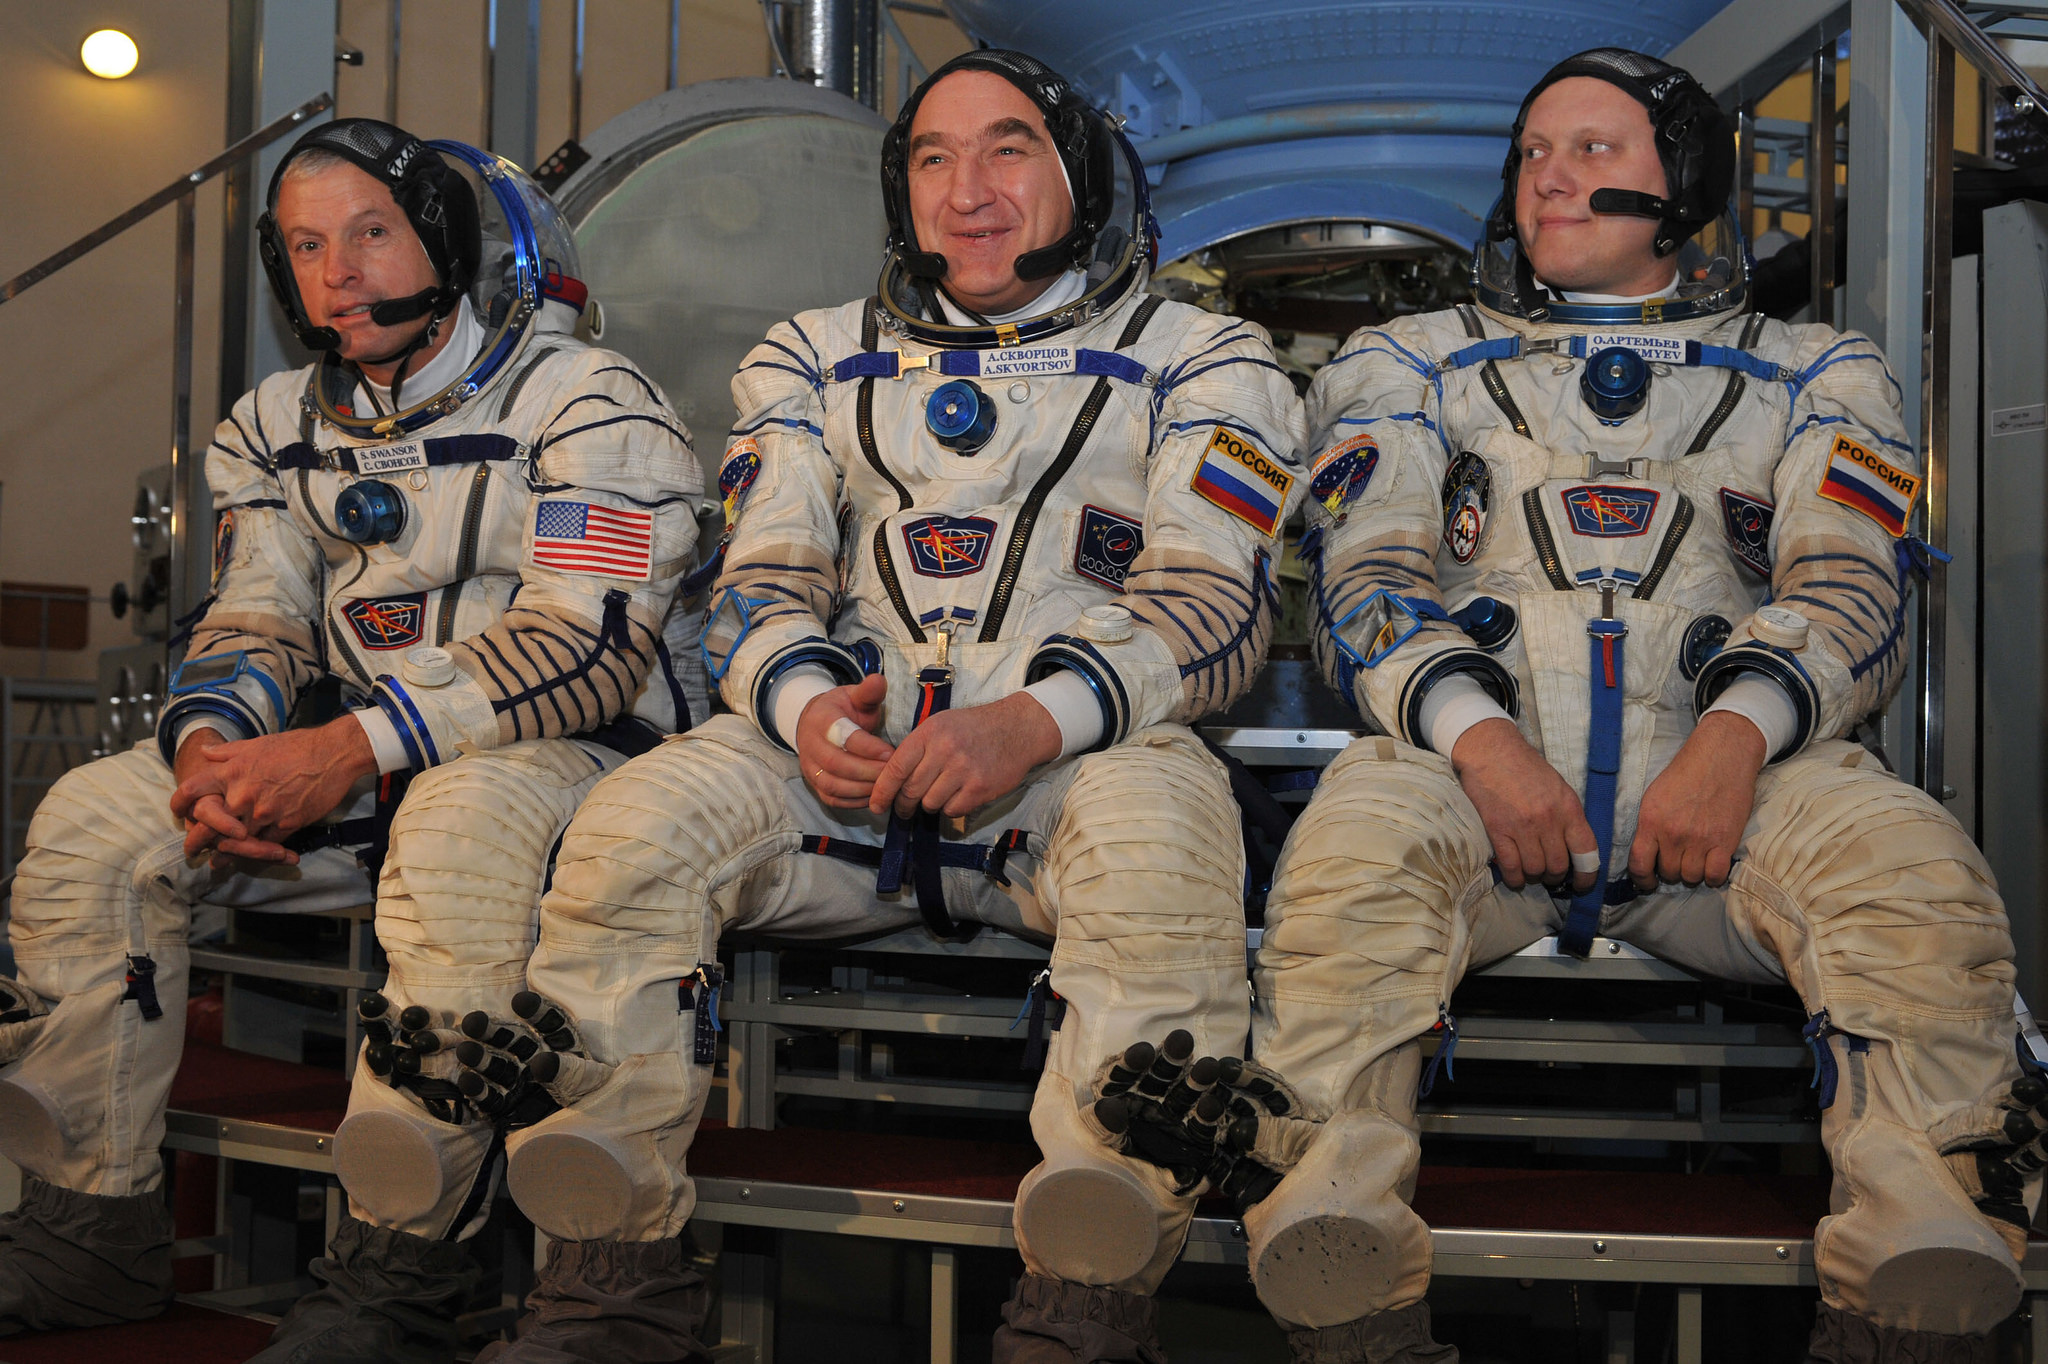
(960, 416)
(1489, 621)
(370, 512)
(1616, 384)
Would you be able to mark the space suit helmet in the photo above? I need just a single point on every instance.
(493, 236)
(1695, 221)
(1113, 234)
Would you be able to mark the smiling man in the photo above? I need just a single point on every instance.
(998, 534)
(1612, 567)
(379, 510)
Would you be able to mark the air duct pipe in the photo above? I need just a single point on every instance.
(836, 47)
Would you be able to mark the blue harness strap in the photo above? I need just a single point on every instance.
(1728, 357)
(935, 694)
(990, 859)
(1479, 352)
(1109, 364)
(1695, 353)
(913, 847)
(1606, 638)
(873, 364)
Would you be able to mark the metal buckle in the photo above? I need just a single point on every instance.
(1596, 467)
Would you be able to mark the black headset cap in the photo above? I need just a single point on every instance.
(434, 197)
(1695, 143)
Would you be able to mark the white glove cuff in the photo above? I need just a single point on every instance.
(385, 744)
(191, 727)
(790, 693)
(1453, 706)
(1759, 699)
(1069, 699)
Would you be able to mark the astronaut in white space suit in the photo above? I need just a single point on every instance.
(477, 524)
(998, 534)
(1613, 567)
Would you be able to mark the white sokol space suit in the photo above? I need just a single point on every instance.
(1116, 525)
(510, 651)
(1459, 460)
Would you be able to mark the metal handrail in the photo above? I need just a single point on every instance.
(183, 193)
(1979, 49)
(184, 184)
(1950, 32)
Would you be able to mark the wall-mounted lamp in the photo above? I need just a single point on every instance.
(109, 54)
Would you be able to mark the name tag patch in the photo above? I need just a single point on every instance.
(742, 466)
(1748, 522)
(1242, 479)
(1663, 350)
(1107, 544)
(1609, 513)
(391, 459)
(949, 546)
(1024, 361)
(386, 622)
(1860, 478)
(1340, 478)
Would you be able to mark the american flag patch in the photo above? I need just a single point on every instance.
(580, 537)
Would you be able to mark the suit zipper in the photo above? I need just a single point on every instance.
(1546, 544)
(1027, 516)
(1497, 388)
(1732, 394)
(465, 557)
(885, 565)
(1674, 536)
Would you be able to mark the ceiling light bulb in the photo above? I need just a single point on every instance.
(109, 54)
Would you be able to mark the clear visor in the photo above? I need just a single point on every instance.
(1122, 249)
(521, 228)
(1713, 276)
(527, 255)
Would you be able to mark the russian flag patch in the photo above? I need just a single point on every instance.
(1239, 477)
(1855, 477)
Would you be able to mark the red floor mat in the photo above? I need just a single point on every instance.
(235, 1084)
(863, 1160)
(1632, 1203)
(183, 1335)
(1516, 1200)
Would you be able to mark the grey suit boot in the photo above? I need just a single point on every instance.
(1053, 1322)
(611, 1302)
(387, 1297)
(72, 1259)
(1844, 1338)
(1400, 1336)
